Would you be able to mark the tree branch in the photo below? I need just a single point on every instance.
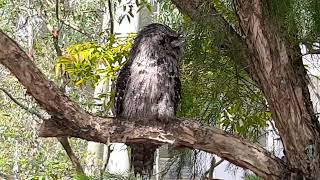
(78, 29)
(178, 132)
(312, 52)
(31, 111)
(74, 159)
(111, 17)
(68, 119)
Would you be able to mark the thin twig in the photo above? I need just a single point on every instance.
(218, 163)
(23, 106)
(57, 14)
(312, 52)
(111, 17)
(274, 128)
(213, 165)
(107, 159)
(78, 29)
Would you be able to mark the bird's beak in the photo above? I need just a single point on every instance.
(177, 43)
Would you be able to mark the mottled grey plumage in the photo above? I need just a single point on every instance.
(148, 85)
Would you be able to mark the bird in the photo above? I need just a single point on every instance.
(148, 86)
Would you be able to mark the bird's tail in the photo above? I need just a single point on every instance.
(142, 158)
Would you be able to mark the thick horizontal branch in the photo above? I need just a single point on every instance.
(68, 119)
(178, 132)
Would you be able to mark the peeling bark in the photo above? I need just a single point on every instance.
(68, 119)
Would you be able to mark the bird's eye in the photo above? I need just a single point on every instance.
(173, 38)
(162, 41)
(168, 39)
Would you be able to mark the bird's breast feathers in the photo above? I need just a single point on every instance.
(150, 92)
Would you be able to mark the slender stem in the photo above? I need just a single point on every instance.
(31, 111)
(111, 17)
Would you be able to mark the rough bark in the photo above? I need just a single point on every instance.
(177, 132)
(68, 119)
(278, 65)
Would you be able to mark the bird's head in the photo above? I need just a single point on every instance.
(160, 38)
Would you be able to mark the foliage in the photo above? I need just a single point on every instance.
(169, 15)
(24, 154)
(298, 20)
(82, 61)
(226, 9)
(250, 176)
(105, 175)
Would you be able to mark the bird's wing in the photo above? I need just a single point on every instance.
(121, 85)
(177, 89)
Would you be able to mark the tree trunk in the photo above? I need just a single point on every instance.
(282, 77)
